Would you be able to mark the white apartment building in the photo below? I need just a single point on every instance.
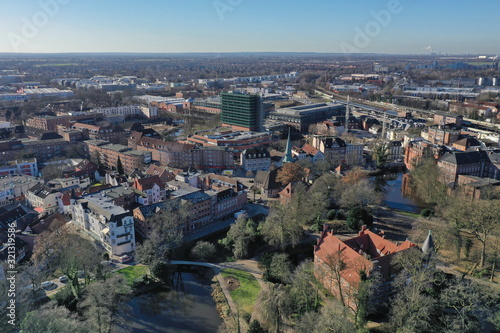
(14, 187)
(253, 159)
(109, 224)
(43, 198)
(129, 110)
(28, 167)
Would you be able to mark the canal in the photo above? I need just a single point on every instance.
(391, 186)
(188, 309)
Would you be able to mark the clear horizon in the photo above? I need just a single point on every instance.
(393, 27)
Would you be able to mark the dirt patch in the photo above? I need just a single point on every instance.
(232, 283)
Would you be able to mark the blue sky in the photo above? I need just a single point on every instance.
(448, 26)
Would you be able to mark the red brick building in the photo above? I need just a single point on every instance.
(442, 135)
(113, 134)
(181, 155)
(109, 154)
(50, 123)
(474, 163)
(416, 151)
(368, 252)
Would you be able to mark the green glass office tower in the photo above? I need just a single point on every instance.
(241, 111)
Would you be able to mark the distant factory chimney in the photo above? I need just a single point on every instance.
(347, 110)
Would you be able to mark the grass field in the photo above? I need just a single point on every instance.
(246, 294)
(409, 214)
(133, 272)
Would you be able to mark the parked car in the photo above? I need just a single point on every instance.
(124, 259)
(80, 274)
(63, 279)
(47, 284)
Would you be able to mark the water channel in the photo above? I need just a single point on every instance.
(188, 309)
(391, 186)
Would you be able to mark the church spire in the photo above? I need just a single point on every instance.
(288, 151)
(428, 246)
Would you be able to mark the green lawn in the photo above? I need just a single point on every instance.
(409, 214)
(133, 272)
(249, 289)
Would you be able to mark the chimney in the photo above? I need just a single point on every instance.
(363, 229)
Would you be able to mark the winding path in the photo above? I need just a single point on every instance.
(248, 265)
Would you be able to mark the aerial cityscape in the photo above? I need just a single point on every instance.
(245, 166)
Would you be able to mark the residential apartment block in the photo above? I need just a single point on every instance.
(28, 167)
(181, 155)
(129, 110)
(43, 199)
(154, 189)
(253, 159)
(50, 123)
(113, 134)
(14, 187)
(109, 155)
(109, 224)
(235, 140)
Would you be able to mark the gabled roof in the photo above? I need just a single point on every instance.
(85, 165)
(51, 222)
(226, 181)
(267, 179)
(333, 142)
(149, 211)
(463, 158)
(164, 174)
(42, 191)
(164, 145)
(364, 252)
(309, 150)
(287, 192)
(147, 183)
(9, 216)
(468, 142)
(251, 153)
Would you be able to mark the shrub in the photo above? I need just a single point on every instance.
(358, 216)
(340, 215)
(427, 212)
(331, 214)
(203, 251)
(246, 317)
(256, 328)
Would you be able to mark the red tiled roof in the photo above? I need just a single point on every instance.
(155, 170)
(52, 222)
(65, 198)
(309, 150)
(143, 184)
(360, 253)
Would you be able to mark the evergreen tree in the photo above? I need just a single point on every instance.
(119, 167)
